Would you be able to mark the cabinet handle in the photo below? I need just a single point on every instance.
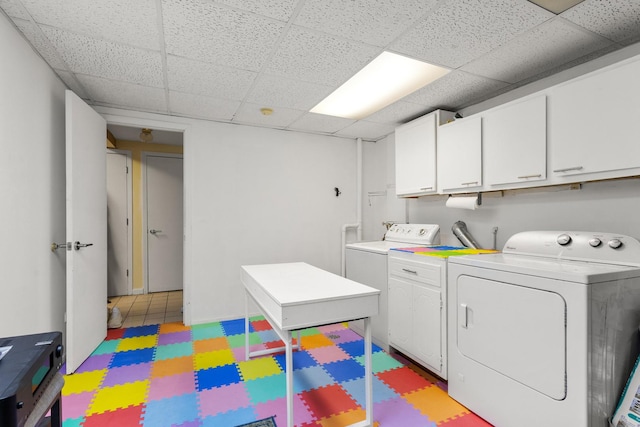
(470, 183)
(575, 168)
(530, 176)
(463, 316)
(426, 188)
(409, 271)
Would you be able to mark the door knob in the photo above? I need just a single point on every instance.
(78, 245)
(152, 231)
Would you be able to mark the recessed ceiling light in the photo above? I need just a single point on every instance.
(556, 6)
(382, 82)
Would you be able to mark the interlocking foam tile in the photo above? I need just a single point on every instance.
(310, 378)
(399, 412)
(125, 417)
(258, 368)
(344, 419)
(165, 387)
(356, 389)
(139, 331)
(231, 418)
(268, 336)
(380, 362)
(171, 411)
(266, 389)
(213, 359)
(119, 396)
(174, 337)
(84, 381)
(234, 327)
(114, 334)
(207, 330)
(344, 370)
(328, 354)
(315, 341)
(127, 374)
(327, 401)
(301, 359)
(132, 357)
(177, 365)
(137, 343)
(435, 403)
(239, 340)
(210, 344)
(216, 377)
(343, 335)
(353, 348)
(403, 380)
(222, 399)
(194, 423)
(174, 350)
(95, 362)
(167, 328)
(260, 325)
(106, 347)
(278, 408)
(73, 422)
(75, 405)
(465, 420)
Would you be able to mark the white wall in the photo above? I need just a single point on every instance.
(32, 190)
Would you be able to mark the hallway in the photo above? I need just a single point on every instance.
(149, 309)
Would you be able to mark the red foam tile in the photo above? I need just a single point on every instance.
(261, 325)
(125, 417)
(403, 380)
(114, 334)
(327, 401)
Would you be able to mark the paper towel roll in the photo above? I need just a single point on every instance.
(470, 202)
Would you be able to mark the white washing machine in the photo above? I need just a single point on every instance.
(366, 263)
(545, 333)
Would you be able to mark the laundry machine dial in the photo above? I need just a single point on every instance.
(615, 243)
(595, 242)
(564, 239)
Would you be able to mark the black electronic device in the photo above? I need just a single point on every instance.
(26, 370)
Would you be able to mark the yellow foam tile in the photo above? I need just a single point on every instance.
(119, 396)
(213, 359)
(315, 341)
(167, 328)
(210, 344)
(173, 366)
(136, 343)
(258, 368)
(82, 382)
(435, 403)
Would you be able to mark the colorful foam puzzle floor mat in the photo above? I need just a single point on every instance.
(177, 376)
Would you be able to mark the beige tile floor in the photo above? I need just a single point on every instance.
(149, 309)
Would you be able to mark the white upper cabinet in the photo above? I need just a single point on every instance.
(514, 142)
(415, 145)
(594, 122)
(460, 155)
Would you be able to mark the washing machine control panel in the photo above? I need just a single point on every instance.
(420, 234)
(576, 245)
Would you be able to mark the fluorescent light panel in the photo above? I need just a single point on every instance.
(383, 81)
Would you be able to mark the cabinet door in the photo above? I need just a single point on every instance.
(400, 316)
(427, 324)
(594, 122)
(460, 155)
(416, 156)
(514, 142)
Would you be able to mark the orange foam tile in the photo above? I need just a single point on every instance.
(173, 366)
(167, 328)
(210, 344)
(436, 404)
(315, 341)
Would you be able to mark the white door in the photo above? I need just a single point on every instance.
(164, 222)
(118, 224)
(86, 230)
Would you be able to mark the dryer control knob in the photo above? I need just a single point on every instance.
(595, 242)
(615, 243)
(563, 239)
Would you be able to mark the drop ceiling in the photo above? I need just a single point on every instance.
(224, 60)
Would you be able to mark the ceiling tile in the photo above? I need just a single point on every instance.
(312, 122)
(397, 113)
(186, 75)
(617, 20)
(124, 95)
(13, 9)
(202, 106)
(276, 91)
(535, 52)
(208, 32)
(41, 43)
(276, 9)
(461, 31)
(101, 58)
(455, 90)
(280, 118)
(312, 56)
(375, 22)
(123, 21)
(366, 130)
(69, 79)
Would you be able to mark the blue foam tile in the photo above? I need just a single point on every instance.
(356, 348)
(231, 418)
(301, 359)
(141, 331)
(356, 388)
(268, 336)
(310, 378)
(132, 357)
(171, 411)
(217, 377)
(344, 370)
(235, 327)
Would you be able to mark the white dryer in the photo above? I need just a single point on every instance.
(545, 333)
(366, 263)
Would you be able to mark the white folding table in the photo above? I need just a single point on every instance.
(295, 296)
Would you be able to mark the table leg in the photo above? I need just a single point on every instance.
(289, 377)
(246, 325)
(368, 372)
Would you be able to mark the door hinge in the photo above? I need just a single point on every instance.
(126, 169)
(127, 221)
(127, 272)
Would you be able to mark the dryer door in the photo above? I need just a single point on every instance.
(517, 331)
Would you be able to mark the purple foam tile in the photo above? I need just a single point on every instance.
(399, 412)
(174, 337)
(76, 405)
(171, 385)
(278, 408)
(343, 335)
(127, 374)
(331, 328)
(222, 399)
(95, 363)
